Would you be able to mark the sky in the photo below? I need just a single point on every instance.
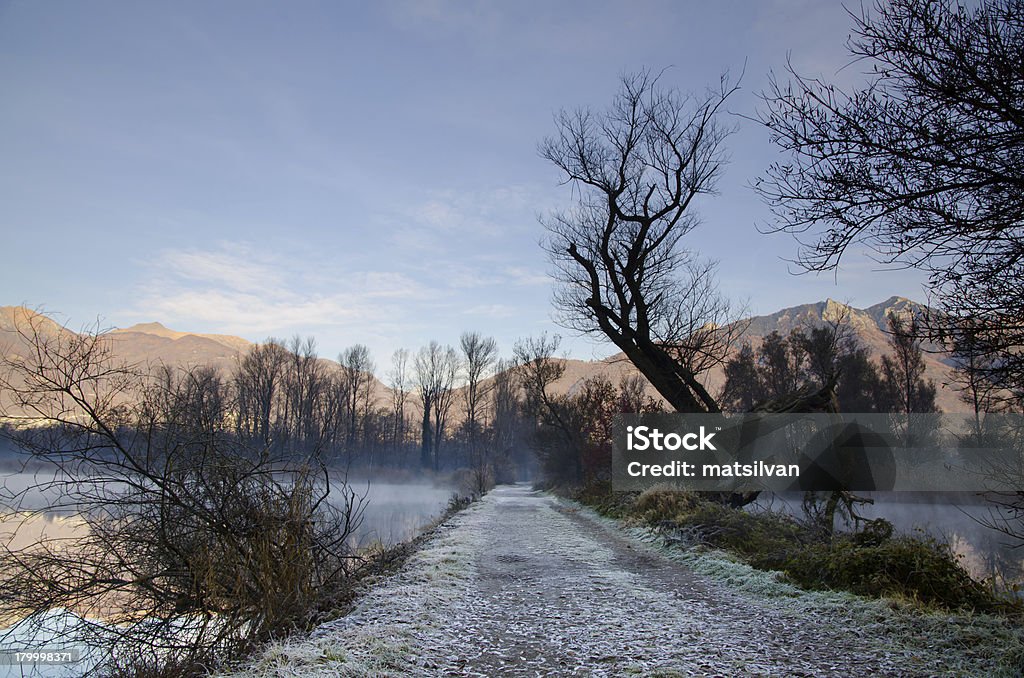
(363, 172)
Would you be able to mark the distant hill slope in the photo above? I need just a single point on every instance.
(152, 343)
(148, 344)
(145, 343)
(869, 325)
(156, 329)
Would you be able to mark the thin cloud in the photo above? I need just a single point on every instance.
(491, 311)
(243, 313)
(234, 268)
(478, 213)
(231, 288)
(525, 277)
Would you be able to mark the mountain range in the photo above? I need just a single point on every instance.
(153, 343)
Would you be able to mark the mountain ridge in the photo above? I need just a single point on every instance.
(152, 342)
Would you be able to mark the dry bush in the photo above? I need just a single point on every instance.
(196, 546)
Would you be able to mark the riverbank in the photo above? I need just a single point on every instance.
(525, 583)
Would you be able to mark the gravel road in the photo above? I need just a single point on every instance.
(526, 584)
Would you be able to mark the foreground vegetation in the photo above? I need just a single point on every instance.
(873, 561)
(201, 539)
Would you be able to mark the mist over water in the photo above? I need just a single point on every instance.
(393, 512)
(396, 512)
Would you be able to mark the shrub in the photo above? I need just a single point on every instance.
(659, 504)
(871, 562)
(196, 544)
(601, 498)
(765, 540)
(918, 568)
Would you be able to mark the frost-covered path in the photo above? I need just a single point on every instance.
(523, 583)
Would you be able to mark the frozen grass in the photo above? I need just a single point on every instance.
(366, 642)
(961, 640)
(530, 584)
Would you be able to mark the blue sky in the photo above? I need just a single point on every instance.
(361, 172)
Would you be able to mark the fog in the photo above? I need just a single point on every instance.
(392, 512)
(396, 512)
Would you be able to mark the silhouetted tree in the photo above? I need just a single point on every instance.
(903, 371)
(922, 163)
(557, 439)
(195, 546)
(744, 387)
(633, 393)
(509, 424)
(399, 383)
(622, 271)
(859, 388)
(975, 375)
(811, 358)
(356, 381)
(435, 369)
(257, 383)
(907, 392)
(831, 354)
(304, 385)
(781, 361)
(478, 356)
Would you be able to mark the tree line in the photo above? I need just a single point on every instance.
(831, 354)
(443, 408)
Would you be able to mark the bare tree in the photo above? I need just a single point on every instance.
(904, 369)
(195, 546)
(478, 356)
(632, 393)
(557, 439)
(537, 369)
(623, 272)
(357, 383)
(506, 415)
(435, 368)
(907, 391)
(258, 379)
(304, 385)
(921, 164)
(449, 369)
(972, 376)
(572, 434)
(399, 383)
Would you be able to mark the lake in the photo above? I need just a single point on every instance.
(394, 512)
(397, 512)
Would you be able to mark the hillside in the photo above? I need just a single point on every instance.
(869, 327)
(153, 343)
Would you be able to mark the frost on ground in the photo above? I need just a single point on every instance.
(523, 583)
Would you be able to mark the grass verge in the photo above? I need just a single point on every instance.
(873, 562)
(909, 594)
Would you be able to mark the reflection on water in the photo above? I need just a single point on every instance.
(393, 512)
(985, 553)
(21, 530)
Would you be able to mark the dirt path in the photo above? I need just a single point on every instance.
(525, 584)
